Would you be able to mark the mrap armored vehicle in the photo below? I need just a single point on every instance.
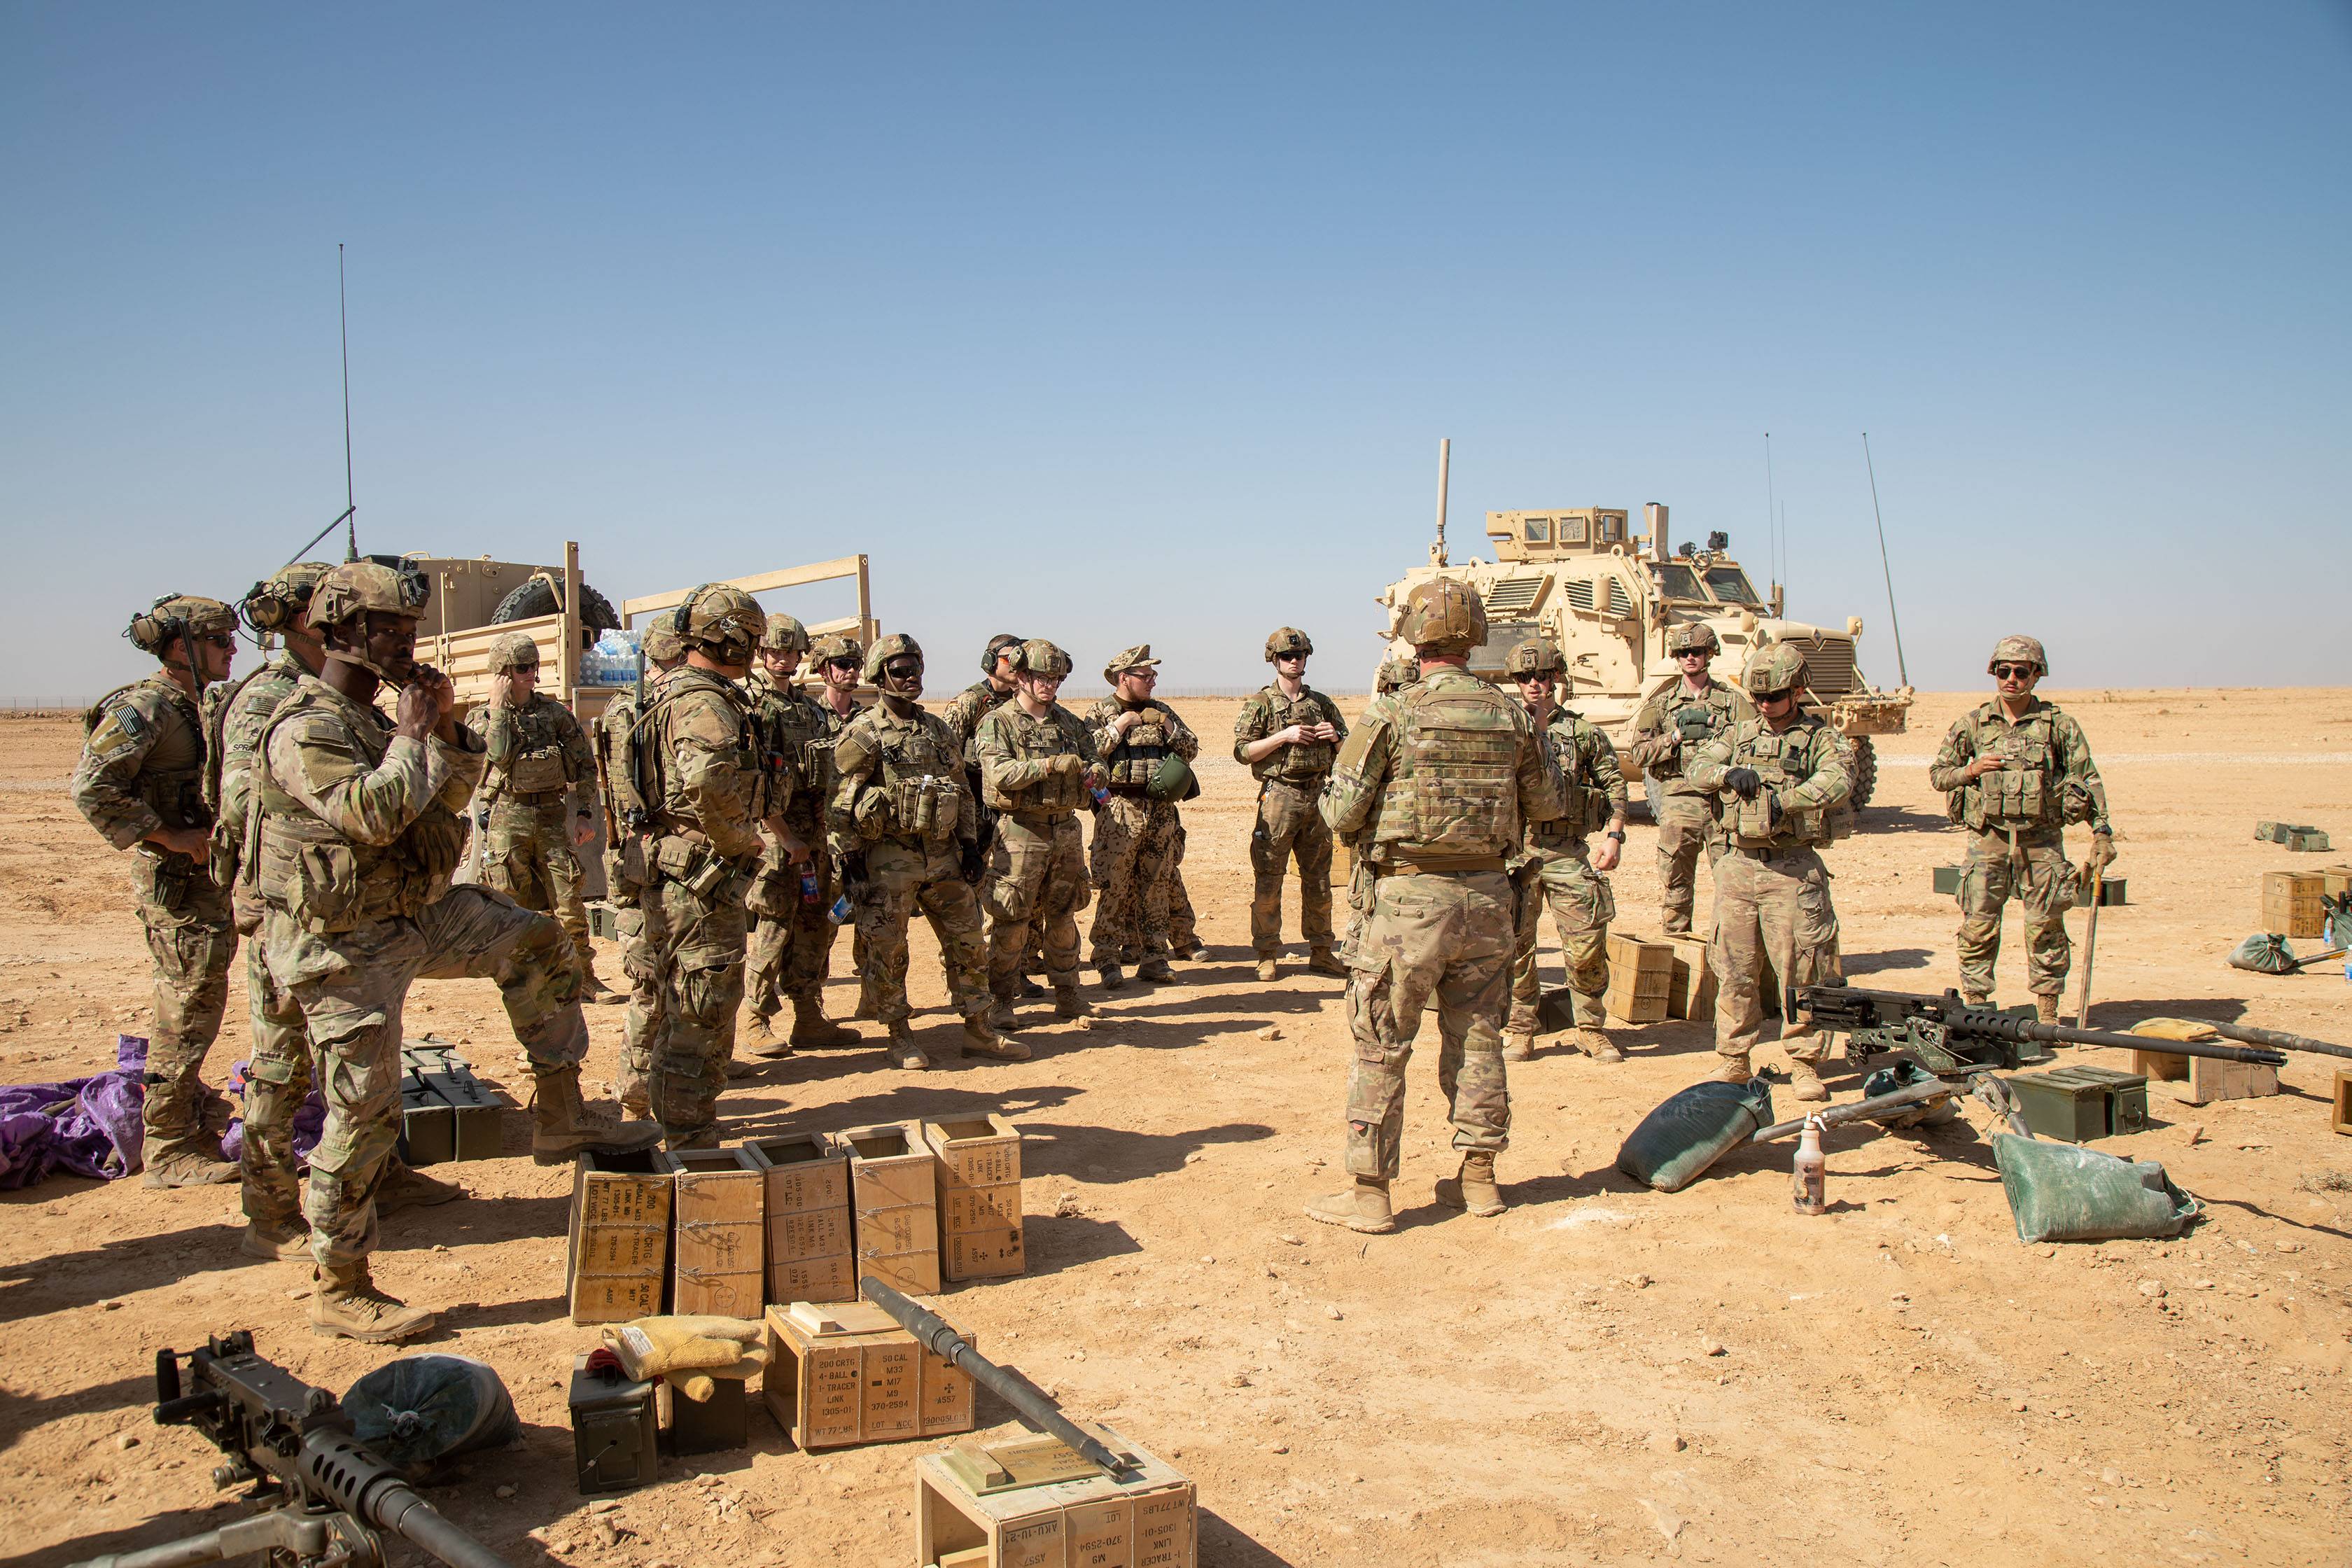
(1606, 596)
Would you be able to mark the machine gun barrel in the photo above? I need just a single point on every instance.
(1850, 1008)
(1036, 1406)
(1910, 1094)
(2277, 1039)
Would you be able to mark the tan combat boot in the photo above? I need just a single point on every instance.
(1730, 1070)
(2045, 1009)
(290, 1245)
(901, 1049)
(1976, 999)
(596, 993)
(1323, 960)
(1067, 1004)
(1156, 972)
(1473, 1187)
(178, 1165)
(345, 1303)
(812, 1027)
(1268, 969)
(1362, 1207)
(1001, 1015)
(562, 1127)
(1594, 1044)
(1519, 1046)
(980, 1040)
(405, 1187)
(756, 1035)
(1113, 977)
(1806, 1083)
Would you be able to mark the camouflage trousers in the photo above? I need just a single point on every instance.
(1447, 939)
(1182, 926)
(1133, 858)
(277, 1079)
(527, 855)
(901, 879)
(1773, 918)
(1289, 828)
(1685, 826)
(1582, 905)
(190, 939)
(695, 944)
(790, 956)
(641, 1026)
(350, 987)
(2044, 889)
(1037, 879)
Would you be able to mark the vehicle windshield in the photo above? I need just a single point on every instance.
(1676, 580)
(1731, 585)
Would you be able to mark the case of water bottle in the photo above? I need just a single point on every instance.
(612, 662)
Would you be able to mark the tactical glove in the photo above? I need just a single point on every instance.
(971, 860)
(1067, 763)
(1742, 782)
(689, 1352)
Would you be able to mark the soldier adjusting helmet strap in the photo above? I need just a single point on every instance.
(516, 650)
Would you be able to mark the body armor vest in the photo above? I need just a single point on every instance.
(1452, 784)
(1304, 765)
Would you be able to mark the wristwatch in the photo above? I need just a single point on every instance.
(1616, 833)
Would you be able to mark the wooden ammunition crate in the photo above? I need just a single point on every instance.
(2293, 903)
(1690, 992)
(980, 1196)
(894, 1191)
(714, 1251)
(2339, 1116)
(2076, 1104)
(2210, 1080)
(811, 1256)
(618, 1259)
(1640, 978)
(847, 1374)
(1033, 1503)
(2334, 881)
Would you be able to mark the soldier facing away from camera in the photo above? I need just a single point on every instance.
(1287, 734)
(625, 858)
(1668, 732)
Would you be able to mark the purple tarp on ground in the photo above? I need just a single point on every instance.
(309, 1118)
(93, 1126)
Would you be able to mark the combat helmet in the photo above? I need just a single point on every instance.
(1690, 636)
(358, 587)
(274, 603)
(1396, 673)
(1040, 659)
(2018, 650)
(662, 644)
(178, 615)
(1444, 614)
(1288, 639)
(897, 645)
(784, 635)
(1776, 669)
(835, 649)
(1536, 656)
(724, 622)
(996, 644)
(516, 650)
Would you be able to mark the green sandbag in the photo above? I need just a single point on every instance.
(1696, 1127)
(2059, 1192)
(2264, 954)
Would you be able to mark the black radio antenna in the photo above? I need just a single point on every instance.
(1887, 571)
(350, 507)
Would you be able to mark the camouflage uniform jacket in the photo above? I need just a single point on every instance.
(1672, 725)
(356, 823)
(143, 766)
(2047, 778)
(236, 740)
(1807, 771)
(795, 729)
(1129, 760)
(1442, 776)
(536, 752)
(1016, 756)
(703, 771)
(1592, 786)
(1267, 711)
(901, 779)
(963, 715)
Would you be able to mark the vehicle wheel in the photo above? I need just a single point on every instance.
(538, 597)
(1866, 771)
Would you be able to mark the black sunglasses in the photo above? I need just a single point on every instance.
(841, 664)
(902, 671)
(218, 639)
(1780, 696)
(2013, 671)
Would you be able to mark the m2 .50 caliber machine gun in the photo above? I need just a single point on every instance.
(1958, 1046)
(294, 1442)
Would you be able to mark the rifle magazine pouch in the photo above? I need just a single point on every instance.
(1692, 1129)
(2060, 1192)
(423, 1409)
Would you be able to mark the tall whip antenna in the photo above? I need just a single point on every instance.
(1896, 621)
(1772, 514)
(350, 505)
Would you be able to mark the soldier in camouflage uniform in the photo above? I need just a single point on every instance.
(352, 847)
(791, 935)
(963, 715)
(1668, 732)
(537, 805)
(1037, 767)
(1557, 870)
(1441, 779)
(1286, 734)
(1779, 778)
(713, 785)
(838, 659)
(2017, 771)
(142, 783)
(279, 1076)
(902, 814)
(1394, 675)
(624, 860)
(1134, 846)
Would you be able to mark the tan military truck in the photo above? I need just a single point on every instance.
(1606, 595)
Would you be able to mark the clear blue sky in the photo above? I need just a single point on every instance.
(1116, 324)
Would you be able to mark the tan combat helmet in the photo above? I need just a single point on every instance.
(725, 623)
(897, 645)
(2018, 650)
(835, 649)
(1692, 636)
(276, 603)
(516, 650)
(1043, 659)
(784, 635)
(178, 615)
(996, 644)
(1776, 669)
(1532, 658)
(1446, 615)
(358, 588)
(1288, 640)
(662, 644)
(1395, 674)
(1126, 659)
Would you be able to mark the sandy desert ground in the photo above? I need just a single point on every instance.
(1604, 1374)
